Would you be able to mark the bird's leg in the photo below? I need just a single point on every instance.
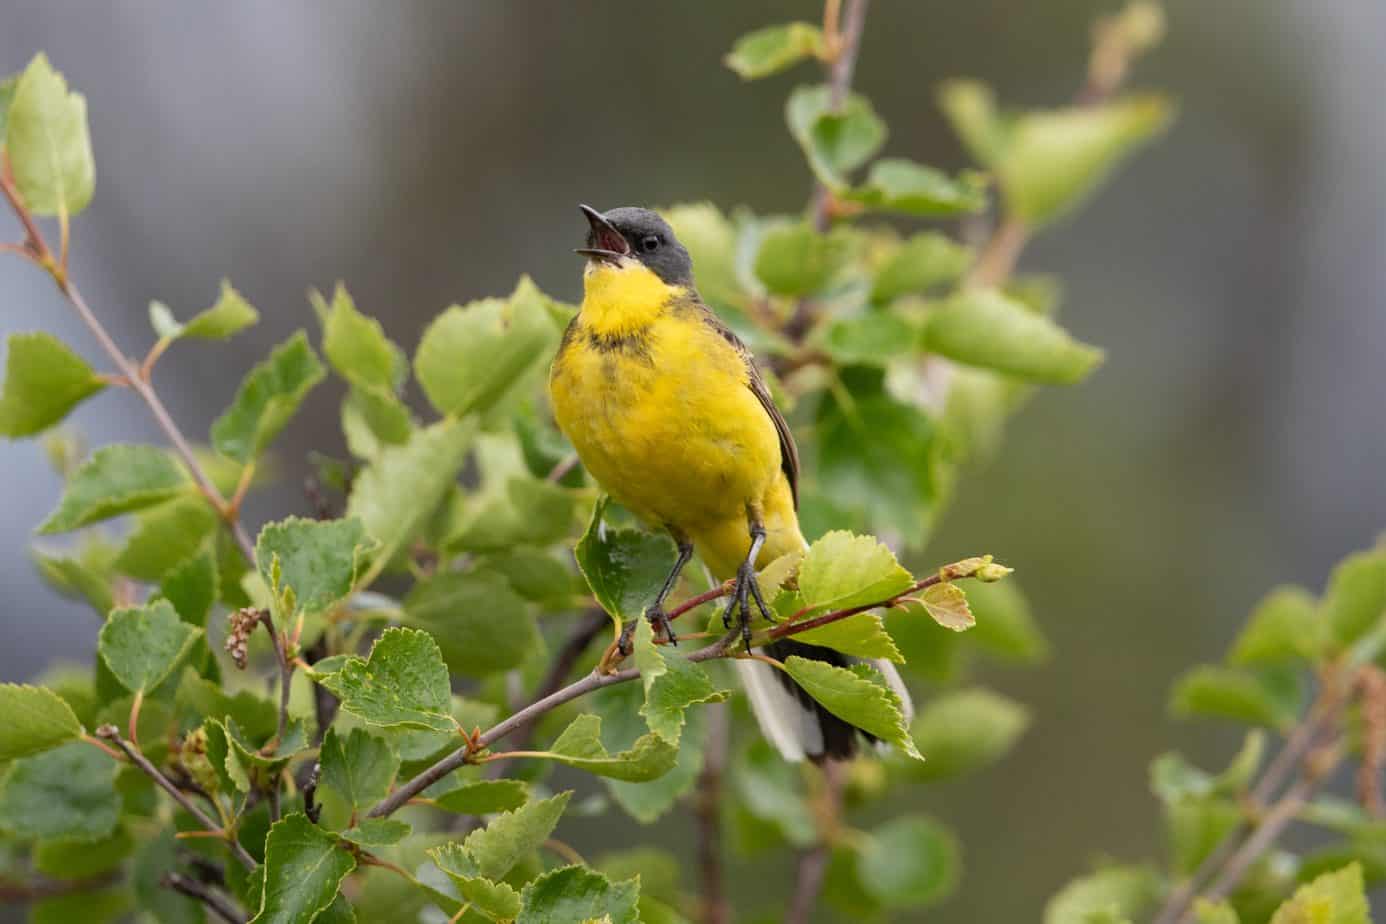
(655, 611)
(747, 588)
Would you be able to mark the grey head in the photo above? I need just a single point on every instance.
(637, 234)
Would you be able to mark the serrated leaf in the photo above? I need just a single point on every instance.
(1122, 890)
(1268, 697)
(191, 586)
(373, 833)
(116, 479)
(44, 381)
(141, 645)
(229, 315)
(855, 698)
(926, 260)
(580, 746)
(982, 327)
(304, 868)
(1285, 626)
(622, 727)
(67, 792)
(356, 346)
(1333, 898)
(497, 900)
(1052, 159)
(796, 260)
(910, 862)
(842, 570)
(946, 604)
(481, 625)
(773, 49)
(484, 797)
(403, 683)
(672, 684)
(163, 536)
(87, 575)
(470, 356)
(359, 766)
(575, 893)
(47, 142)
(510, 836)
(318, 559)
(268, 397)
(873, 339)
(835, 142)
(863, 635)
(898, 185)
(36, 719)
(962, 731)
(624, 567)
(1355, 599)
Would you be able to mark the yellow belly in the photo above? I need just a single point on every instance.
(668, 426)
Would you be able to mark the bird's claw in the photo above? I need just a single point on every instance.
(659, 621)
(746, 589)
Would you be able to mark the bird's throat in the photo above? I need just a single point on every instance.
(622, 300)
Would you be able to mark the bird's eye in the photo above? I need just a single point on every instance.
(649, 243)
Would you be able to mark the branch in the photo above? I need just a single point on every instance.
(286, 673)
(33, 888)
(112, 734)
(127, 367)
(813, 863)
(215, 901)
(707, 806)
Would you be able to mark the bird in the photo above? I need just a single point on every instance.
(668, 411)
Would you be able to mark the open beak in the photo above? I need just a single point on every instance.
(604, 242)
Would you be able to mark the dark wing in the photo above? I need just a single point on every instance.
(789, 452)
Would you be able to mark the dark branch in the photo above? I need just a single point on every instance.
(215, 901)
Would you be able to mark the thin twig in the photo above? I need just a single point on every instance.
(112, 734)
(813, 863)
(215, 901)
(286, 674)
(707, 808)
(33, 888)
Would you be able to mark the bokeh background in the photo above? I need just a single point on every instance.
(430, 152)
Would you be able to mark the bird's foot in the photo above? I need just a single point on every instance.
(659, 621)
(746, 589)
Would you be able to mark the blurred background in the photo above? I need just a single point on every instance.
(430, 152)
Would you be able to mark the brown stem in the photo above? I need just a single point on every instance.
(215, 901)
(840, 69)
(112, 734)
(286, 673)
(707, 808)
(813, 863)
(33, 889)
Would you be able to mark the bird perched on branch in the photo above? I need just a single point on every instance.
(667, 410)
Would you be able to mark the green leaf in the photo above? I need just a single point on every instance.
(481, 625)
(304, 868)
(484, 797)
(580, 746)
(78, 859)
(1268, 697)
(835, 142)
(470, 357)
(6, 98)
(164, 535)
(1196, 826)
(268, 397)
(1356, 596)
(982, 327)
(396, 494)
(47, 142)
(773, 49)
(528, 511)
(946, 605)
(538, 576)
(356, 346)
(1173, 778)
(141, 645)
(157, 856)
(192, 588)
(36, 719)
(228, 316)
(1206, 912)
(624, 567)
(44, 381)
(926, 260)
(404, 683)
(796, 260)
(863, 635)
(1119, 890)
(358, 766)
(672, 684)
(773, 791)
(873, 339)
(622, 727)
(910, 862)
(1054, 158)
(67, 792)
(87, 575)
(575, 893)
(961, 731)
(842, 570)
(851, 695)
(1284, 627)
(897, 185)
(497, 900)
(971, 109)
(373, 833)
(116, 479)
(510, 836)
(1333, 898)
(318, 559)
(101, 906)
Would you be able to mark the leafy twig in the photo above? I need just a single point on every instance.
(112, 734)
(215, 901)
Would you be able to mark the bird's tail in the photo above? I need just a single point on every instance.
(793, 721)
